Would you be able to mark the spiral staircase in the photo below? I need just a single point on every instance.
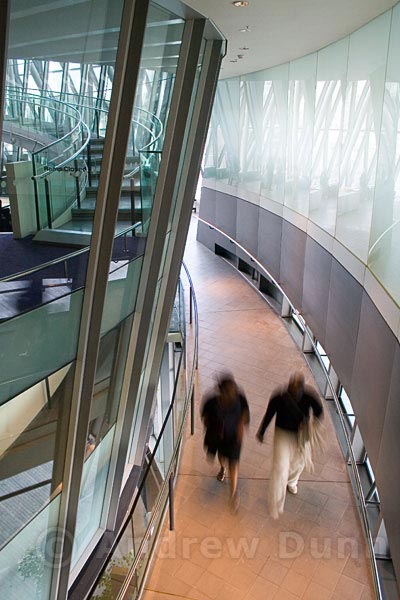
(53, 190)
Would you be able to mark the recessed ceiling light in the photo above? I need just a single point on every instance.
(245, 29)
(240, 4)
(234, 60)
(244, 48)
(240, 55)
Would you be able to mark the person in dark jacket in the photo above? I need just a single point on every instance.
(225, 414)
(297, 432)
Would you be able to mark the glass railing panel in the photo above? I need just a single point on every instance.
(33, 436)
(151, 109)
(141, 530)
(174, 322)
(149, 168)
(58, 118)
(162, 26)
(117, 569)
(93, 485)
(129, 544)
(55, 135)
(120, 302)
(122, 289)
(27, 560)
(33, 499)
(52, 342)
(165, 448)
(181, 388)
(135, 584)
(61, 275)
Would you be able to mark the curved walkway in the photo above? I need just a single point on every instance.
(316, 550)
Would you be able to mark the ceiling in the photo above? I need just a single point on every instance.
(282, 30)
(279, 30)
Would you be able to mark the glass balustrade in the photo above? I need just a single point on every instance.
(33, 428)
(26, 564)
(127, 565)
(93, 484)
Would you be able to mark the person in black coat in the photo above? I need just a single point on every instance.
(298, 411)
(225, 414)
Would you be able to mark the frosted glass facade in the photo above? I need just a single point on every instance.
(321, 136)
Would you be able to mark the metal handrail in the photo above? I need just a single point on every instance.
(61, 259)
(25, 136)
(81, 124)
(68, 160)
(42, 99)
(353, 462)
(80, 127)
(382, 236)
(157, 506)
(155, 512)
(356, 475)
(196, 312)
(44, 94)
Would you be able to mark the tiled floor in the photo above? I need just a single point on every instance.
(316, 550)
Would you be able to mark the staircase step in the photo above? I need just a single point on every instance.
(63, 237)
(125, 191)
(87, 214)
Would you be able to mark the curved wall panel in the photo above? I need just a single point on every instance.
(319, 137)
(363, 350)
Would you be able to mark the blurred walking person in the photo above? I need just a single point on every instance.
(298, 411)
(225, 414)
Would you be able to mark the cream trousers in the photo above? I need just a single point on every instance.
(288, 464)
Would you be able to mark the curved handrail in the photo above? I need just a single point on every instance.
(46, 95)
(353, 462)
(160, 498)
(68, 160)
(374, 245)
(21, 96)
(196, 312)
(76, 140)
(356, 475)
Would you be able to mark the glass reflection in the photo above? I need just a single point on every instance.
(328, 134)
(384, 243)
(301, 98)
(361, 125)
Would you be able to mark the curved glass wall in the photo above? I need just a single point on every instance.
(69, 308)
(42, 284)
(127, 565)
(321, 135)
(164, 30)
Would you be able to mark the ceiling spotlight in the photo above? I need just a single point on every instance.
(240, 4)
(244, 48)
(245, 29)
(234, 60)
(240, 55)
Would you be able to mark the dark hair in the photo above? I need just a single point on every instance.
(228, 389)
